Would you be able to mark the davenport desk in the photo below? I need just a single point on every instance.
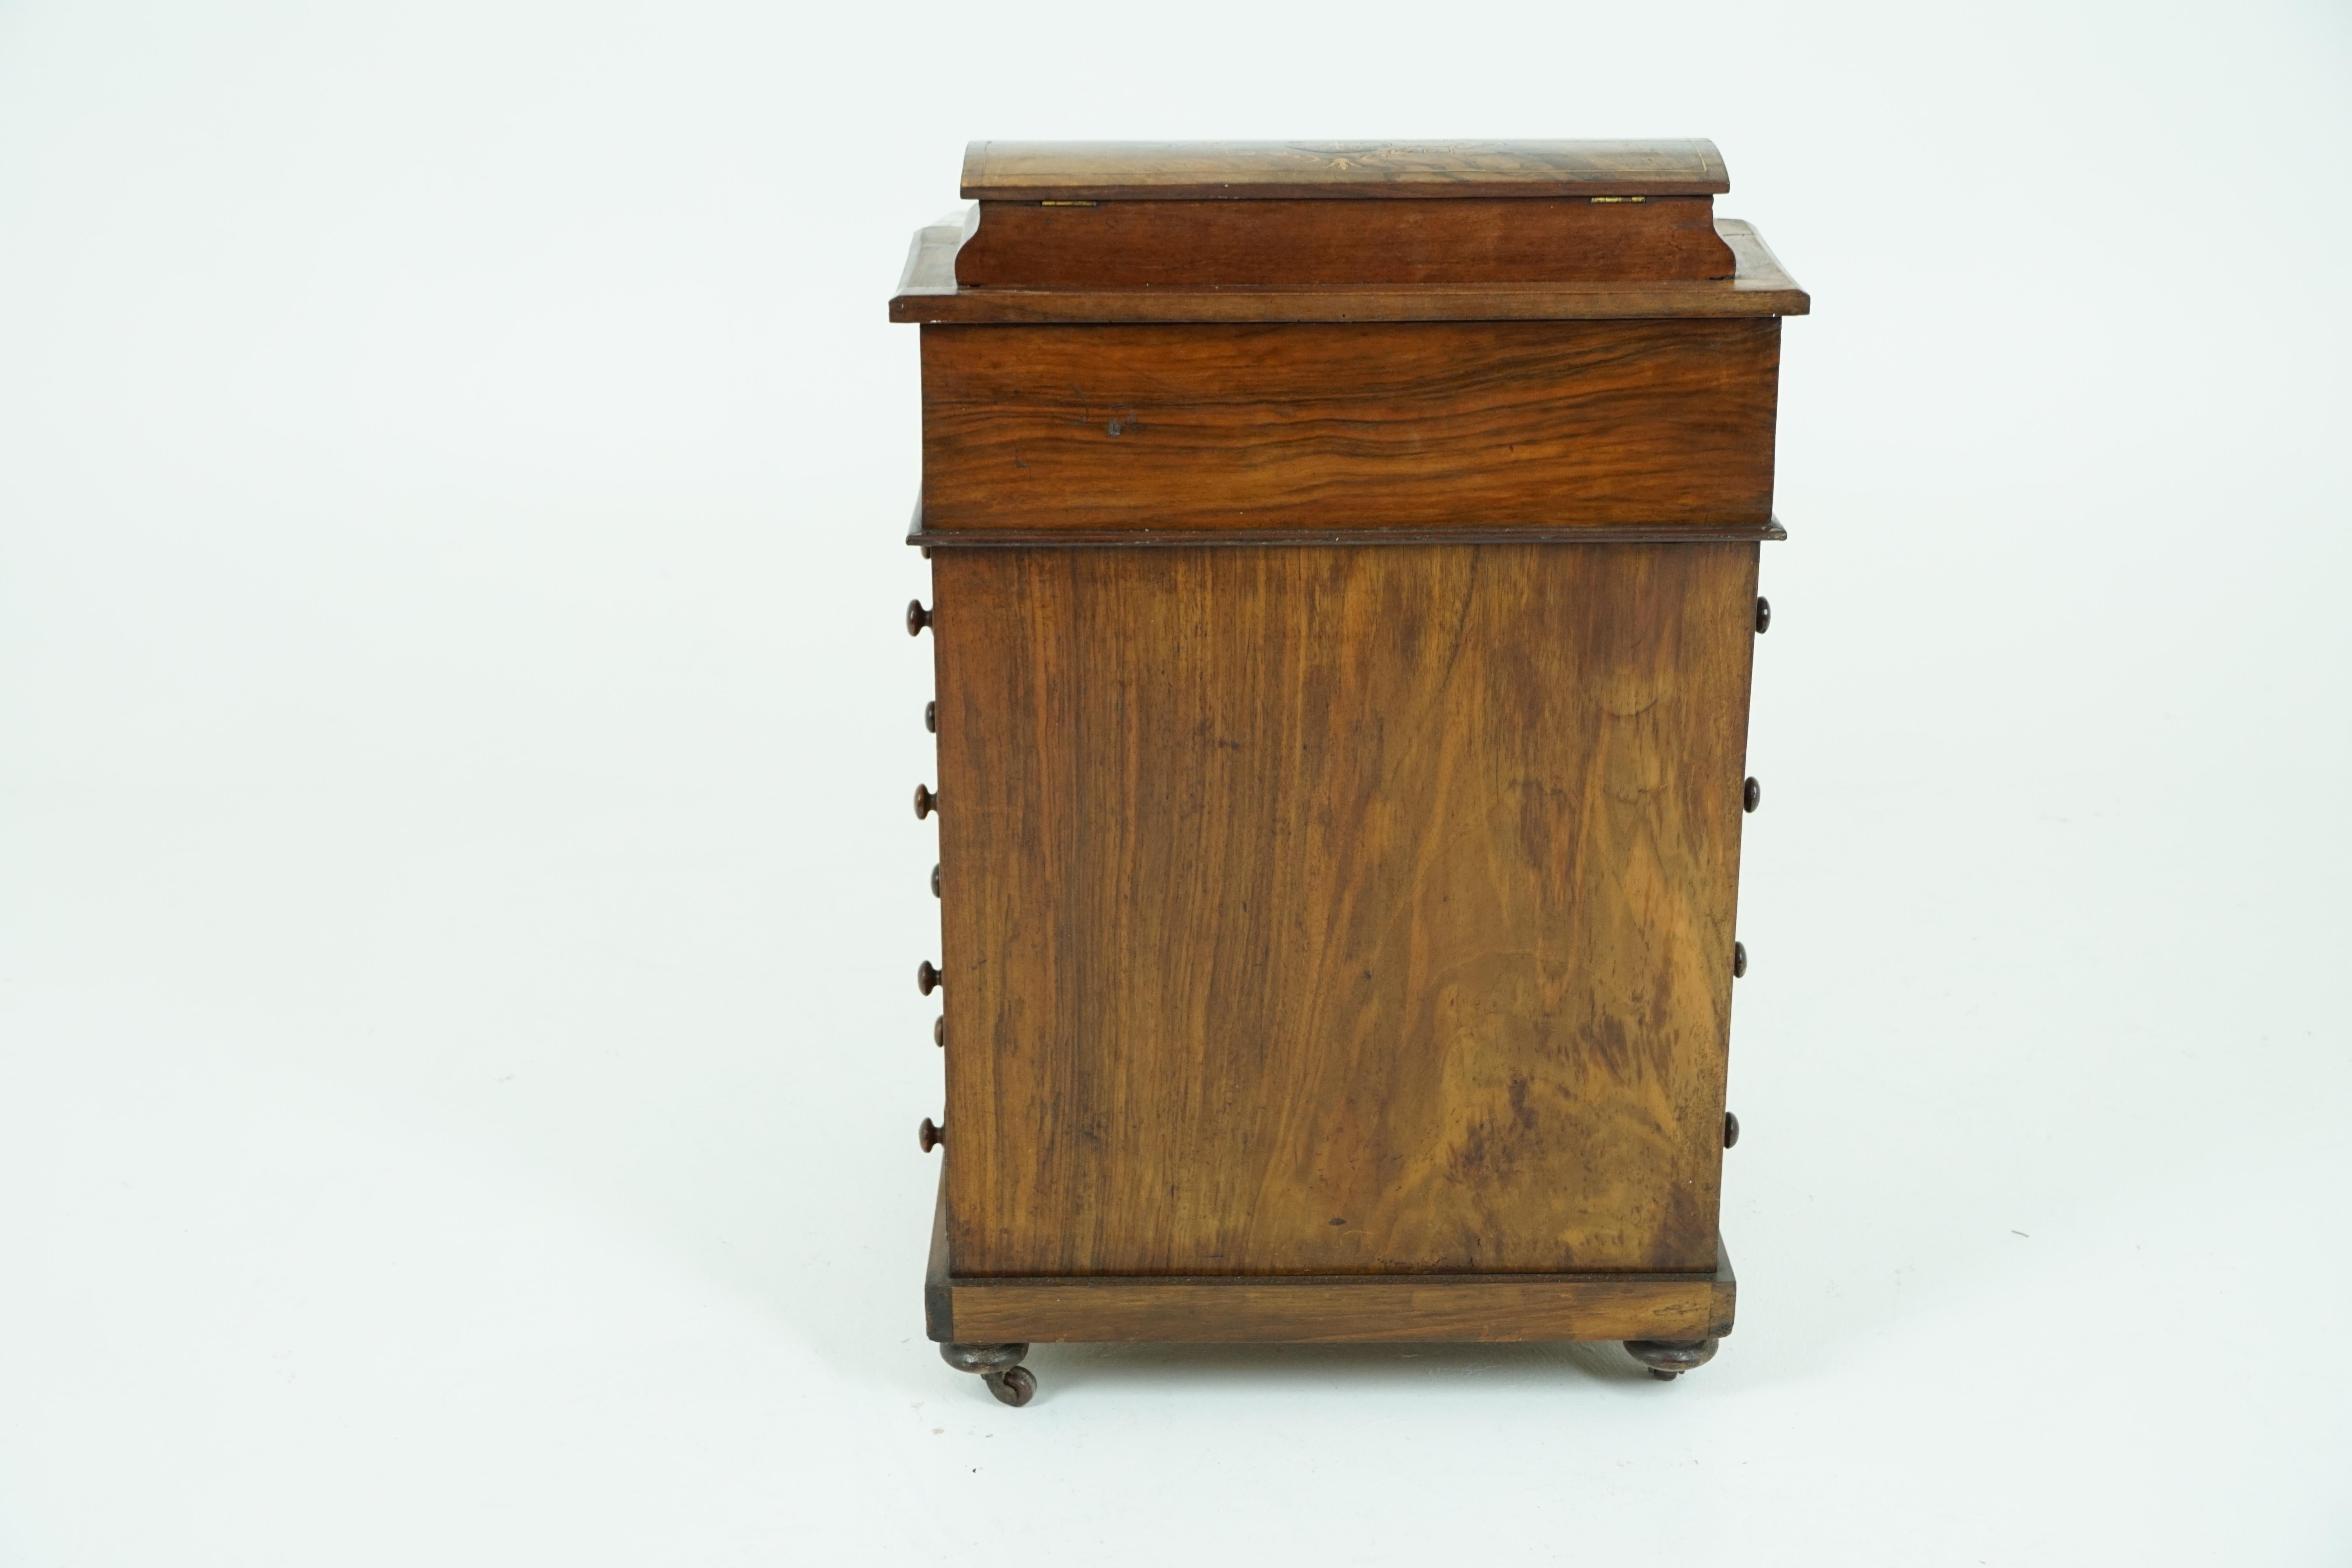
(1344, 565)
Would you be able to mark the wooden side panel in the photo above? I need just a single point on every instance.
(1339, 911)
(1154, 244)
(1412, 425)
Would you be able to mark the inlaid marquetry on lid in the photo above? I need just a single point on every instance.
(1109, 231)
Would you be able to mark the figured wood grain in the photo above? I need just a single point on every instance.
(1087, 171)
(1426, 425)
(1339, 911)
(1140, 244)
(1759, 286)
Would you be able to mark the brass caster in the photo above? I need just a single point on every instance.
(1669, 1359)
(998, 1366)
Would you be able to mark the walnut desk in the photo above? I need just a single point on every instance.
(1344, 565)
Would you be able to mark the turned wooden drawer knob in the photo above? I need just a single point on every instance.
(931, 717)
(935, 881)
(918, 617)
(927, 977)
(1751, 798)
(940, 1031)
(930, 1134)
(926, 802)
(1730, 1130)
(1738, 959)
(1763, 614)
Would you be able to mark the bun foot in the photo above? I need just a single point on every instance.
(1669, 1359)
(1015, 1387)
(998, 1366)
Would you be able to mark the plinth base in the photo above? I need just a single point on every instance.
(1673, 1308)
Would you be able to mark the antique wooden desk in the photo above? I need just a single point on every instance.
(1344, 570)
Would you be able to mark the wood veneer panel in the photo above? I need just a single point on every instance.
(1344, 911)
(1427, 425)
(1480, 240)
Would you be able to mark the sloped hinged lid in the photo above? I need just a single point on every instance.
(1241, 213)
(1354, 171)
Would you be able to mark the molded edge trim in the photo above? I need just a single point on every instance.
(1197, 538)
(928, 293)
(1397, 1308)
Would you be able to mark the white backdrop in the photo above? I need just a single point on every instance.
(458, 1066)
